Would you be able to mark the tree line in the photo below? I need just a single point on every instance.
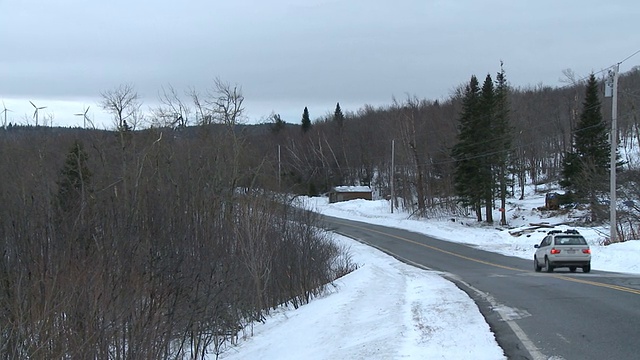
(470, 152)
(147, 244)
(506, 137)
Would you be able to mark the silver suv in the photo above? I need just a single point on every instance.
(562, 249)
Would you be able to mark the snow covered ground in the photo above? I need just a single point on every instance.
(389, 310)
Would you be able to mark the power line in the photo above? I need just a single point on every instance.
(630, 56)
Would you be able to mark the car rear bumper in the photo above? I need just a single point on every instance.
(558, 263)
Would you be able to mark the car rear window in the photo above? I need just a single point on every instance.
(570, 240)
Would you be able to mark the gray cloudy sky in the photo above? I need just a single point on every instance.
(288, 54)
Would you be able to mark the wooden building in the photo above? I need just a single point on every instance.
(346, 193)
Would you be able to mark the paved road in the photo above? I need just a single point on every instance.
(555, 316)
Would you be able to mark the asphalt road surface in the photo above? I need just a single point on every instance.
(559, 315)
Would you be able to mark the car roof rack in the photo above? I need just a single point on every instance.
(569, 231)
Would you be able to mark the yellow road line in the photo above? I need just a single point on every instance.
(595, 283)
(560, 277)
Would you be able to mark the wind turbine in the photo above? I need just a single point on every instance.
(4, 124)
(35, 113)
(84, 115)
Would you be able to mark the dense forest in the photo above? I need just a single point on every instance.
(167, 234)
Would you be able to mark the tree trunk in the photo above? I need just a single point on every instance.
(503, 196)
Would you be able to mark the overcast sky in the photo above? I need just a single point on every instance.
(288, 54)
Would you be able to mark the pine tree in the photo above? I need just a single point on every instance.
(485, 137)
(591, 138)
(306, 122)
(74, 179)
(585, 168)
(571, 169)
(338, 117)
(466, 180)
(502, 133)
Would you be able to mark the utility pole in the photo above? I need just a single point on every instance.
(611, 90)
(393, 170)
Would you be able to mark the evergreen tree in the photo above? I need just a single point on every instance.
(592, 138)
(306, 122)
(338, 117)
(74, 179)
(466, 179)
(485, 137)
(481, 152)
(571, 169)
(586, 167)
(502, 133)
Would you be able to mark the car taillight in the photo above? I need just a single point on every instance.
(586, 251)
(555, 251)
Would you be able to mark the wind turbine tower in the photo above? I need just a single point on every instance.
(84, 117)
(35, 113)
(4, 124)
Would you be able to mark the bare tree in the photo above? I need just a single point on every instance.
(221, 104)
(203, 114)
(412, 133)
(173, 111)
(124, 104)
(226, 101)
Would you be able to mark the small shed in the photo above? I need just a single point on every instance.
(346, 193)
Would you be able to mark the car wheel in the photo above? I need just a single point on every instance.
(536, 265)
(572, 268)
(547, 266)
(586, 268)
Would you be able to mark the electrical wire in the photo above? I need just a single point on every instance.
(630, 56)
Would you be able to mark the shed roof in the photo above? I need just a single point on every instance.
(352, 189)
